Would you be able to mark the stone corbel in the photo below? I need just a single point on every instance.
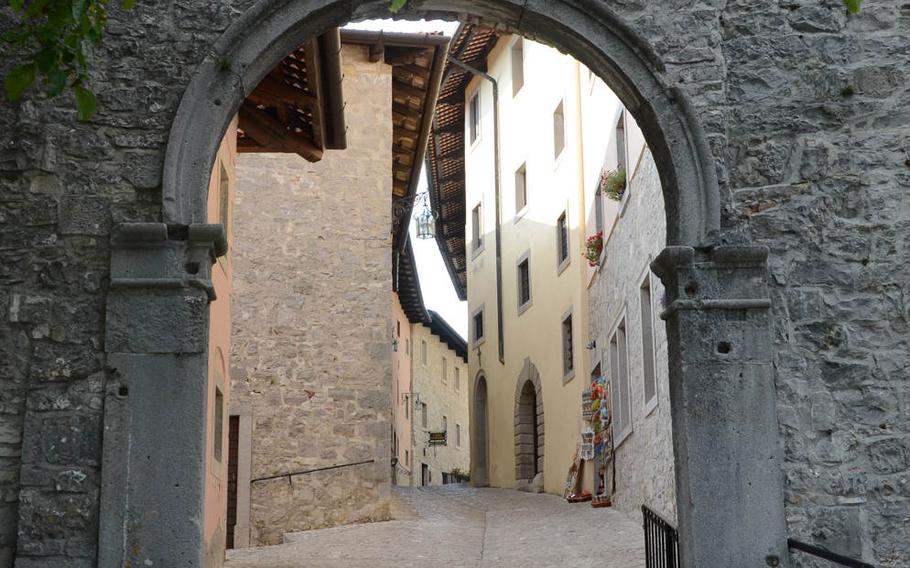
(719, 278)
(161, 285)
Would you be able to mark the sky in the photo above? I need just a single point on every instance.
(436, 286)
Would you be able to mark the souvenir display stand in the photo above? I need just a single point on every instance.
(596, 445)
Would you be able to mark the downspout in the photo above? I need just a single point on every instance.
(332, 76)
(496, 183)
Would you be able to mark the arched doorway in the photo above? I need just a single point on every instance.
(251, 46)
(529, 430)
(479, 424)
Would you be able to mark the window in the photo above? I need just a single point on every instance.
(407, 459)
(521, 188)
(518, 66)
(477, 227)
(457, 378)
(621, 143)
(423, 352)
(477, 325)
(474, 116)
(445, 370)
(423, 414)
(647, 343)
(224, 198)
(407, 407)
(559, 130)
(398, 328)
(458, 435)
(619, 372)
(562, 241)
(445, 425)
(568, 350)
(524, 283)
(219, 423)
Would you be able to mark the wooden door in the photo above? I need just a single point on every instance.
(233, 437)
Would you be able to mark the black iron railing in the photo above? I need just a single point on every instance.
(826, 554)
(661, 541)
(290, 474)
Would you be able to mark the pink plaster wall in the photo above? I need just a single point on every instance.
(222, 179)
(401, 373)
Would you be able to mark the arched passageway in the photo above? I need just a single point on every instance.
(479, 443)
(251, 46)
(529, 429)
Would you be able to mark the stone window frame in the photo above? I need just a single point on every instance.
(525, 258)
(474, 118)
(517, 46)
(565, 262)
(620, 321)
(559, 126)
(477, 230)
(457, 435)
(424, 353)
(424, 416)
(457, 375)
(445, 370)
(528, 374)
(652, 403)
(478, 341)
(567, 374)
(521, 172)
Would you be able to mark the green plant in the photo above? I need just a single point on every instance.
(613, 183)
(594, 245)
(57, 35)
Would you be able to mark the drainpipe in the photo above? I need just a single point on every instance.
(496, 184)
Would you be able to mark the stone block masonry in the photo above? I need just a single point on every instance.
(312, 349)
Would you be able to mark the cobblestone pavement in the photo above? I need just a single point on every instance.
(460, 526)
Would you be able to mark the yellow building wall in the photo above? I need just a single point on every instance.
(555, 185)
(220, 200)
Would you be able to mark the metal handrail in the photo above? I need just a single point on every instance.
(305, 471)
(827, 554)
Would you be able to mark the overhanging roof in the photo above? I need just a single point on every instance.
(406, 284)
(417, 61)
(446, 150)
(441, 328)
(298, 107)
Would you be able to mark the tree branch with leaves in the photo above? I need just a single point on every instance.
(57, 35)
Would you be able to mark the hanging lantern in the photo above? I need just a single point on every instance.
(426, 222)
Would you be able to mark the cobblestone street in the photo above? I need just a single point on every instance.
(459, 526)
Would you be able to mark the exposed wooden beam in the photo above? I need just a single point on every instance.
(409, 90)
(406, 111)
(270, 89)
(272, 135)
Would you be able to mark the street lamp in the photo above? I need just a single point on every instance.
(426, 217)
(426, 221)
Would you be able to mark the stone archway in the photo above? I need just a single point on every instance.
(529, 429)
(719, 285)
(596, 36)
(480, 436)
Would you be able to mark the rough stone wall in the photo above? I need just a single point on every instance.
(804, 110)
(644, 459)
(442, 399)
(311, 321)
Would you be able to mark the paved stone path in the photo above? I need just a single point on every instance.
(460, 526)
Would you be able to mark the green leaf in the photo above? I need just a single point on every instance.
(56, 82)
(78, 9)
(18, 80)
(128, 4)
(85, 103)
(47, 59)
(16, 5)
(853, 5)
(397, 5)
